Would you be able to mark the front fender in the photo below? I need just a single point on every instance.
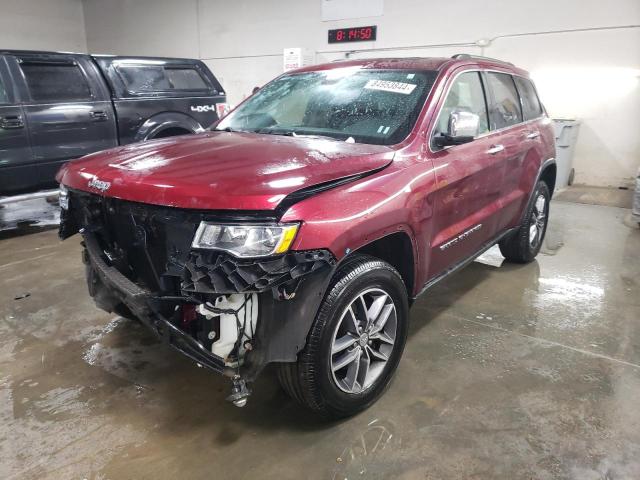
(353, 215)
(163, 121)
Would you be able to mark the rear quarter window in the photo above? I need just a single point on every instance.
(161, 79)
(531, 107)
(56, 82)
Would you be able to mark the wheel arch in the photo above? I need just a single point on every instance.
(166, 123)
(398, 251)
(548, 176)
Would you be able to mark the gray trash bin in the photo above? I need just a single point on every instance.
(566, 132)
(636, 200)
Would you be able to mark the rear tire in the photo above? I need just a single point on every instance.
(355, 342)
(523, 245)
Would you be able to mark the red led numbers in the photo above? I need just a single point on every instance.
(353, 34)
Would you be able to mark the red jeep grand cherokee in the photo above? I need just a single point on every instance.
(299, 230)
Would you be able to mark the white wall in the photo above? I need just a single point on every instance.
(142, 27)
(42, 25)
(593, 75)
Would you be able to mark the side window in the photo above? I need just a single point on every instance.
(466, 94)
(56, 82)
(530, 103)
(185, 79)
(4, 97)
(158, 78)
(505, 111)
(139, 78)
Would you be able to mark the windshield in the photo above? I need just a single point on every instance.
(348, 104)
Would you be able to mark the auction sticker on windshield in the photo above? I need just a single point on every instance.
(388, 86)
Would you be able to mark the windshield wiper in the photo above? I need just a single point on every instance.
(292, 133)
(271, 131)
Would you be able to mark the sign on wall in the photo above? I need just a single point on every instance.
(347, 9)
(296, 57)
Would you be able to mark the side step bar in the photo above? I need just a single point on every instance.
(28, 196)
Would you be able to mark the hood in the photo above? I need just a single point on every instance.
(220, 170)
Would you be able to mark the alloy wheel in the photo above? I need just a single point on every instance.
(538, 221)
(363, 341)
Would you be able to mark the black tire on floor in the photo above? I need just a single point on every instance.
(311, 380)
(519, 246)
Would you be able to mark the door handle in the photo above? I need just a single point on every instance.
(495, 149)
(11, 121)
(532, 135)
(98, 115)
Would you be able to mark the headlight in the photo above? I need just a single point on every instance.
(246, 240)
(63, 197)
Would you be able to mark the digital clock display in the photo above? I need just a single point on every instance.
(352, 34)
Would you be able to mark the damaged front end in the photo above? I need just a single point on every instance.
(230, 314)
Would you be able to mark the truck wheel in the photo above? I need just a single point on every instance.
(355, 342)
(523, 245)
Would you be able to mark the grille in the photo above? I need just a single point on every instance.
(146, 243)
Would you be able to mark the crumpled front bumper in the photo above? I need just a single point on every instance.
(282, 328)
(139, 256)
(143, 305)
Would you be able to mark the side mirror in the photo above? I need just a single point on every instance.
(462, 128)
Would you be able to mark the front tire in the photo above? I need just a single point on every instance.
(523, 245)
(355, 342)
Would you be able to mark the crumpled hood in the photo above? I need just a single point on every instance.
(220, 170)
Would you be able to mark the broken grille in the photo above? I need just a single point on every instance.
(219, 272)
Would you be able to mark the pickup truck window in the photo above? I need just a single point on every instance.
(366, 105)
(56, 82)
(159, 78)
(530, 103)
(185, 79)
(4, 98)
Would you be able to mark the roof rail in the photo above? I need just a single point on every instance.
(464, 56)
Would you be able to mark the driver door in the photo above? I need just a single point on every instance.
(468, 177)
(15, 148)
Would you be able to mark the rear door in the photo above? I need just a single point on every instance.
(15, 150)
(535, 122)
(68, 109)
(469, 179)
(505, 115)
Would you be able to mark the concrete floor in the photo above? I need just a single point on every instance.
(611, 197)
(516, 372)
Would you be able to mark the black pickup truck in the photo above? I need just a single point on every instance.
(58, 106)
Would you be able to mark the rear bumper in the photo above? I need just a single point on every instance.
(143, 305)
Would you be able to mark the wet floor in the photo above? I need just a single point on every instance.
(510, 372)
